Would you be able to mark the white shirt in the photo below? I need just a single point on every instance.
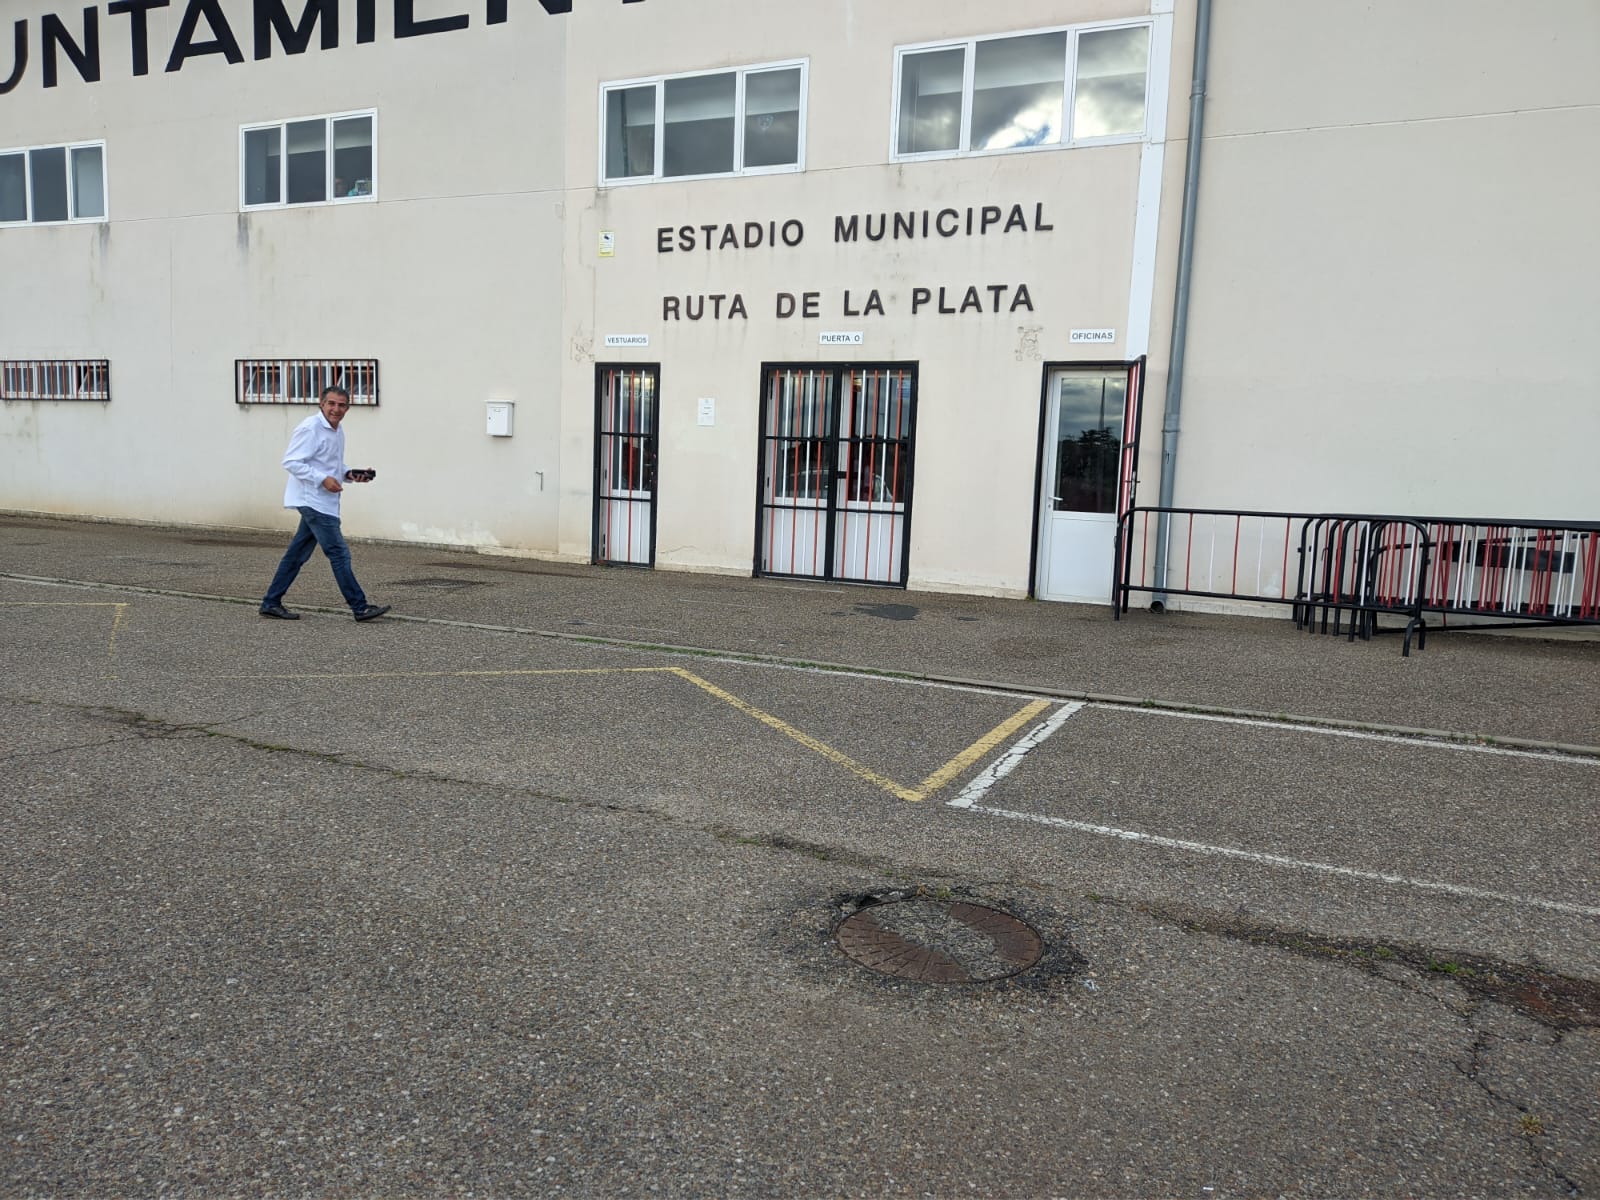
(316, 451)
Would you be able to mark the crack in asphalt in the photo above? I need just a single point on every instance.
(1531, 1135)
(1558, 1003)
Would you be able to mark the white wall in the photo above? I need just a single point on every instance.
(1395, 265)
(450, 280)
(1393, 302)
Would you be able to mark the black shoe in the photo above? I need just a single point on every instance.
(371, 612)
(279, 611)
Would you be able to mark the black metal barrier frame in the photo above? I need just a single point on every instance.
(1351, 567)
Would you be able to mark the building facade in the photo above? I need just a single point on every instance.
(879, 292)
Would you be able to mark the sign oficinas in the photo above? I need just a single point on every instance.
(269, 21)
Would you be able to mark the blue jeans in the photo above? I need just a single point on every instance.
(317, 529)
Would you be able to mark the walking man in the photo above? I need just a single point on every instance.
(317, 474)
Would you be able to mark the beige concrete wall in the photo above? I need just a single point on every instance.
(446, 280)
(980, 374)
(1395, 267)
(1393, 279)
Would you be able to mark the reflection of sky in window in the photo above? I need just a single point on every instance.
(1016, 91)
(1111, 83)
(1092, 405)
(1038, 124)
(930, 101)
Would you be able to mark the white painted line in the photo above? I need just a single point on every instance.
(1278, 860)
(1420, 742)
(1007, 762)
(1289, 724)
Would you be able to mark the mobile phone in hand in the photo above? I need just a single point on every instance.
(361, 474)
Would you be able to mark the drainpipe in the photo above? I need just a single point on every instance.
(1180, 304)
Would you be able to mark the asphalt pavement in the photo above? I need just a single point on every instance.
(532, 888)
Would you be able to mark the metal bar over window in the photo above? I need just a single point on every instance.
(55, 379)
(303, 380)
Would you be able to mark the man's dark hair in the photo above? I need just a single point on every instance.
(335, 387)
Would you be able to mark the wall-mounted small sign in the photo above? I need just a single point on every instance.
(608, 243)
(1093, 335)
(849, 338)
(708, 410)
(627, 339)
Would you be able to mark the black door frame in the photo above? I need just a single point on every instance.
(837, 439)
(650, 457)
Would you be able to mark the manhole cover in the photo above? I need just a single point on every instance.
(442, 585)
(935, 941)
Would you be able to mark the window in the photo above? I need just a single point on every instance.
(301, 380)
(319, 160)
(1045, 89)
(745, 122)
(47, 185)
(56, 379)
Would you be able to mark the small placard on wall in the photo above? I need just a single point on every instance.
(708, 410)
(845, 338)
(627, 339)
(1094, 335)
(608, 243)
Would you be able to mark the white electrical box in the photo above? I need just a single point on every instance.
(501, 413)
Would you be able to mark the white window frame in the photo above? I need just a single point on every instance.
(282, 127)
(739, 169)
(1069, 92)
(72, 186)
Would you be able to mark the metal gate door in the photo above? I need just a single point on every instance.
(836, 457)
(625, 464)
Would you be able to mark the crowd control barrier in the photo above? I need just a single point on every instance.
(1341, 571)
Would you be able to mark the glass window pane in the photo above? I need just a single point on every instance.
(772, 118)
(352, 157)
(631, 132)
(13, 188)
(1111, 82)
(48, 169)
(307, 150)
(930, 100)
(261, 166)
(1089, 443)
(1017, 91)
(699, 126)
(88, 182)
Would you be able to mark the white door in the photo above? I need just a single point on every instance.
(1083, 459)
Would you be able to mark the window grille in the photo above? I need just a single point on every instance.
(835, 472)
(302, 380)
(56, 379)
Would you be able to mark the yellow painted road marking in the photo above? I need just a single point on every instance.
(460, 674)
(980, 748)
(116, 624)
(120, 605)
(805, 739)
(949, 771)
